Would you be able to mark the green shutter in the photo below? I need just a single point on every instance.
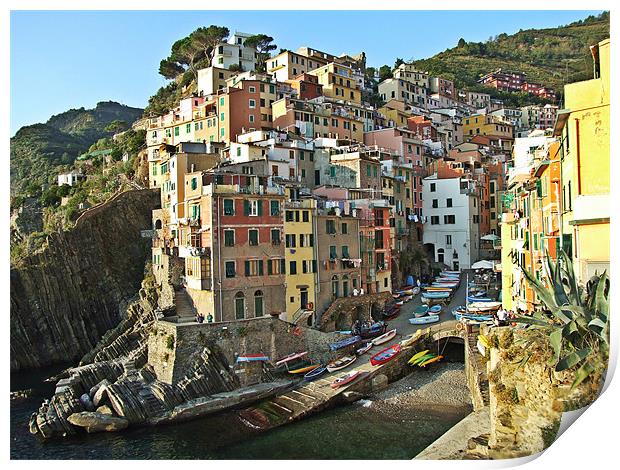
(247, 268)
(246, 207)
(282, 266)
(269, 267)
(260, 267)
(260, 208)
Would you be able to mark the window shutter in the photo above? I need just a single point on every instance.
(260, 267)
(260, 208)
(269, 267)
(246, 207)
(282, 266)
(247, 268)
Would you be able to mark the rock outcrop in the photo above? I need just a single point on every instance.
(66, 296)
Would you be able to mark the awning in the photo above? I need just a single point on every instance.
(560, 121)
(483, 264)
(490, 237)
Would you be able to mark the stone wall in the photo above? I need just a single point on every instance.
(172, 346)
(345, 310)
(66, 296)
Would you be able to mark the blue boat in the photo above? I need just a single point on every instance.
(424, 320)
(313, 374)
(473, 317)
(435, 295)
(252, 358)
(434, 309)
(344, 343)
(479, 299)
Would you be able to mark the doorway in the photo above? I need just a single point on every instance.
(303, 294)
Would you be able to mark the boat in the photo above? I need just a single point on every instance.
(416, 290)
(400, 303)
(345, 379)
(371, 331)
(418, 355)
(460, 310)
(479, 299)
(453, 273)
(420, 311)
(411, 339)
(385, 355)
(291, 365)
(435, 295)
(313, 374)
(252, 358)
(341, 363)
(390, 314)
(430, 361)
(345, 343)
(304, 370)
(407, 298)
(434, 309)
(478, 307)
(405, 292)
(385, 337)
(291, 357)
(422, 359)
(367, 347)
(439, 289)
(424, 320)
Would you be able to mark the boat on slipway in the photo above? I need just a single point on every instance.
(385, 355)
(424, 320)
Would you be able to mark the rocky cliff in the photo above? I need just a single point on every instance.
(66, 296)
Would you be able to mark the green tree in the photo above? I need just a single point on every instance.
(206, 39)
(170, 69)
(461, 42)
(398, 62)
(263, 45)
(116, 126)
(385, 72)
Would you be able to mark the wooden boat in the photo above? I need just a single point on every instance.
(367, 347)
(439, 289)
(341, 363)
(417, 356)
(345, 343)
(400, 303)
(385, 355)
(435, 295)
(345, 379)
(420, 311)
(373, 330)
(385, 337)
(479, 299)
(460, 310)
(303, 370)
(406, 292)
(424, 320)
(291, 357)
(422, 359)
(434, 309)
(291, 365)
(313, 374)
(479, 307)
(252, 358)
(430, 361)
(411, 339)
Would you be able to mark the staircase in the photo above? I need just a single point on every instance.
(186, 312)
(480, 366)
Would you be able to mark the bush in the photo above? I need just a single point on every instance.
(170, 342)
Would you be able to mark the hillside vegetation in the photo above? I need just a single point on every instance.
(552, 56)
(40, 150)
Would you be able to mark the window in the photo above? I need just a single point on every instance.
(345, 228)
(435, 203)
(252, 104)
(449, 219)
(332, 252)
(330, 226)
(274, 208)
(448, 240)
(253, 237)
(252, 89)
(305, 216)
(433, 187)
(345, 251)
(254, 267)
(251, 118)
(434, 220)
(275, 266)
(229, 207)
(275, 236)
(252, 208)
(293, 267)
(176, 131)
(229, 238)
(239, 306)
(289, 216)
(449, 202)
(258, 304)
(230, 269)
(222, 101)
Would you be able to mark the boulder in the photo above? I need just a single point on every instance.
(97, 422)
(101, 393)
(87, 403)
(105, 409)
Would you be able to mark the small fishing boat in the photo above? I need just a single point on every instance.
(345, 343)
(291, 365)
(430, 361)
(473, 317)
(406, 292)
(407, 298)
(479, 299)
(420, 311)
(416, 290)
(291, 357)
(453, 273)
(435, 295)
(424, 320)
(479, 307)
(345, 379)
(439, 289)
(434, 309)
(372, 331)
(388, 314)
(460, 310)
(341, 363)
(313, 374)
(305, 369)
(385, 355)
(417, 356)
(252, 358)
(367, 347)
(385, 337)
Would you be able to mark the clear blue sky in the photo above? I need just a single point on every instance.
(69, 59)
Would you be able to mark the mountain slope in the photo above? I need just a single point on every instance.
(38, 150)
(552, 56)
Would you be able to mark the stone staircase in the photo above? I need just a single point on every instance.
(186, 312)
(481, 367)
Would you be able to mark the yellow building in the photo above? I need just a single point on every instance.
(300, 256)
(338, 82)
(395, 111)
(584, 128)
(485, 124)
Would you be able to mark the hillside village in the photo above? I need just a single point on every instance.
(284, 190)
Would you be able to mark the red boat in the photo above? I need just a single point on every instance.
(345, 379)
(386, 355)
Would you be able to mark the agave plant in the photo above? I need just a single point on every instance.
(577, 319)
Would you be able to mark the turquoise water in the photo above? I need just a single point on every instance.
(348, 432)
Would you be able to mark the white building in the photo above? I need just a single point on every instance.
(234, 52)
(451, 209)
(70, 178)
